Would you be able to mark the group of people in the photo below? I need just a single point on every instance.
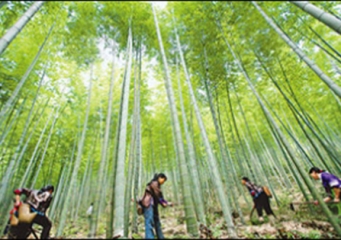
(330, 182)
(39, 201)
(153, 197)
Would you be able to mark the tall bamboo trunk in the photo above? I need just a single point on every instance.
(45, 147)
(324, 17)
(59, 201)
(9, 170)
(58, 190)
(15, 157)
(132, 154)
(295, 111)
(191, 223)
(197, 193)
(232, 185)
(120, 156)
(81, 189)
(24, 78)
(138, 152)
(19, 25)
(12, 121)
(217, 179)
(104, 151)
(74, 175)
(23, 150)
(223, 156)
(286, 144)
(327, 80)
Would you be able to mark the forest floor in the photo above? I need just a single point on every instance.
(299, 224)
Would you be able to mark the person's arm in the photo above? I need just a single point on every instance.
(49, 200)
(20, 191)
(327, 188)
(329, 194)
(163, 201)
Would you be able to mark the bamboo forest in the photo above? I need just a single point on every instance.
(227, 114)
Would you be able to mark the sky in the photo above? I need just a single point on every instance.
(106, 55)
(160, 4)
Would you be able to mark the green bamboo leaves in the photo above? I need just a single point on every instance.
(327, 80)
(327, 18)
(18, 26)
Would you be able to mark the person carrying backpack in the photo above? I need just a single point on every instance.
(151, 199)
(329, 181)
(39, 201)
(260, 199)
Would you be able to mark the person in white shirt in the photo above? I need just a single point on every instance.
(89, 214)
(90, 209)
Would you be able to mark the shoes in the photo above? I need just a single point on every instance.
(261, 219)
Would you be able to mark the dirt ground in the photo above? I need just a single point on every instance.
(298, 224)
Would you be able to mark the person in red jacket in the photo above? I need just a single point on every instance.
(14, 211)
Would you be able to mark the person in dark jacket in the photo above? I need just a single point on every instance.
(329, 181)
(151, 199)
(39, 201)
(260, 199)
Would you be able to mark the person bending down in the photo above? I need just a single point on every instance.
(329, 181)
(39, 201)
(260, 199)
(151, 199)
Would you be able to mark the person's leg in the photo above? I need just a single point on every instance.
(259, 209)
(45, 223)
(7, 227)
(89, 220)
(337, 194)
(265, 202)
(21, 231)
(266, 205)
(158, 229)
(149, 222)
